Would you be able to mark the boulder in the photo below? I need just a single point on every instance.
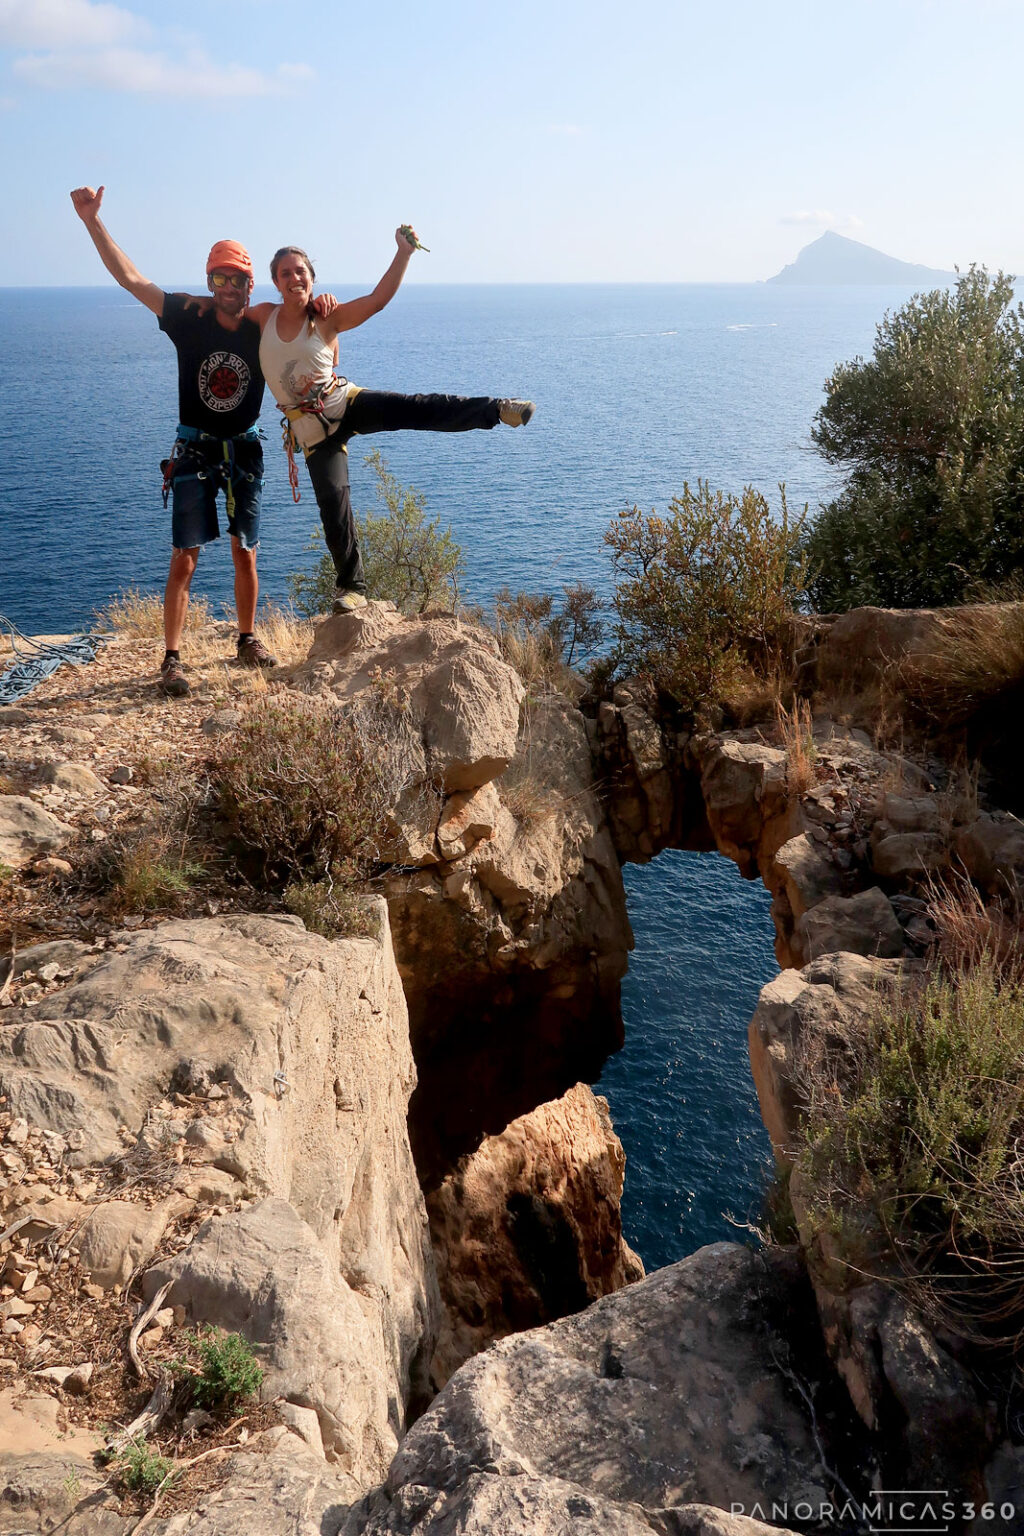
(670, 1392)
(490, 1505)
(991, 850)
(909, 855)
(527, 1229)
(744, 788)
(76, 778)
(264, 1273)
(864, 924)
(805, 875)
(865, 646)
(799, 1016)
(27, 831)
(119, 1236)
(293, 1054)
(910, 813)
(457, 694)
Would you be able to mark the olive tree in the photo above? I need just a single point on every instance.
(931, 429)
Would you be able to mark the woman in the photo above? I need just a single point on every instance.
(298, 354)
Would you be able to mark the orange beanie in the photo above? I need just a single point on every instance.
(229, 256)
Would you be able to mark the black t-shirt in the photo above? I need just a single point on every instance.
(220, 386)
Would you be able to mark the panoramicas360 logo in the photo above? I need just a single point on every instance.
(893, 1511)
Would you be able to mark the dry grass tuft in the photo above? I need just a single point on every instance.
(525, 794)
(796, 736)
(284, 632)
(978, 660)
(136, 615)
(969, 930)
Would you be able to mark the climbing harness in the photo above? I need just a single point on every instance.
(188, 444)
(41, 660)
(312, 405)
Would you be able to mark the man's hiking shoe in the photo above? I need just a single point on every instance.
(253, 653)
(173, 681)
(515, 413)
(346, 601)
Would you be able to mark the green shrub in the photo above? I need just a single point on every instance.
(911, 1153)
(227, 1372)
(304, 786)
(705, 592)
(542, 636)
(327, 907)
(407, 559)
(931, 430)
(140, 1468)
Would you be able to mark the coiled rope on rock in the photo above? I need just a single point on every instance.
(40, 659)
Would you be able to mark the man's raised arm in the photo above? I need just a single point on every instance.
(87, 202)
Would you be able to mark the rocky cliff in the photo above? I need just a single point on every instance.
(216, 1116)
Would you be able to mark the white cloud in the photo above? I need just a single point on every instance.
(65, 24)
(571, 130)
(823, 218)
(155, 74)
(81, 44)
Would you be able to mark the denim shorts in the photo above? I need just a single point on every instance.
(201, 469)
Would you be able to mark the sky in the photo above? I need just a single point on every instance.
(535, 141)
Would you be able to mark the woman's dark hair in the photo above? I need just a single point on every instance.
(289, 250)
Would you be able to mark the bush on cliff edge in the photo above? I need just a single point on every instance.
(931, 430)
(705, 593)
(911, 1156)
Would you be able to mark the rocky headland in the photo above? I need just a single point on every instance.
(377, 1160)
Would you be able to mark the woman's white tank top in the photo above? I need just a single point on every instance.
(293, 368)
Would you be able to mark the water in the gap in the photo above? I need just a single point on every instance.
(680, 1090)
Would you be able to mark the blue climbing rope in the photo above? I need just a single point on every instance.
(41, 659)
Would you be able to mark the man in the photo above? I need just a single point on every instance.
(220, 391)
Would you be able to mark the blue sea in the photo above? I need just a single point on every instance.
(638, 388)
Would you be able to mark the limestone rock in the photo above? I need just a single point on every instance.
(279, 1487)
(467, 819)
(76, 778)
(490, 1505)
(744, 786)
(910, 813)
(947, 1432)
(992, 851)
(527, 1229)
(305, 1041)
(529, 922)
(667, 1393)
(263, 1273)
(27, 831)
(801, 1014)
(459, 696)
(807, 877)
(864, 924)
(119, 1236)
(912, 855)
(861, 646)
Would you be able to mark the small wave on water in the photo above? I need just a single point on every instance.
(764, 325)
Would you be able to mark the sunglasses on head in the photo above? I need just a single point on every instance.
(235, 279)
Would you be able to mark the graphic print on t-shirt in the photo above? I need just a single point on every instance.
(223, 380)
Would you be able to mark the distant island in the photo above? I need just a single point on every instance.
(833, 258)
